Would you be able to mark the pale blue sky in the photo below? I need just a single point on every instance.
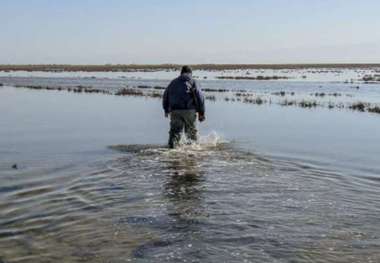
(196, 31)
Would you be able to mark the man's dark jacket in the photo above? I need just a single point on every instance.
(183, 93)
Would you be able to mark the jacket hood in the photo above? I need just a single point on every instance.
(186, 76)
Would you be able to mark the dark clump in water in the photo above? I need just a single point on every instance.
(358, 106)
(308, 104)
(375, 109)
(129, 92)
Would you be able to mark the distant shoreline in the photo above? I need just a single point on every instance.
(158, 67)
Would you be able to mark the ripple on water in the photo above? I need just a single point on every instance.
(205, 202)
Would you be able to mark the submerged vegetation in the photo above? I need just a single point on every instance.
(215, 90)
(129, 92)
(253, 78)
(227, 95)
(322, 94)
(210, 97)
(359, 106)
(371, 78)
(257, 100)
(75, 89)
(138, 93)
(307, 104)
(375, 109)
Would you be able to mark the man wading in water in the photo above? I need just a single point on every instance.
(182, 101)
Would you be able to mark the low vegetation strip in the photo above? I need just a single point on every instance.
(252, 78)
(229, 96)
(371, 78)
(158, 67)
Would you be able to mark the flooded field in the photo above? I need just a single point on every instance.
(86, 177)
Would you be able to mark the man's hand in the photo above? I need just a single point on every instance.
(201, 117)
(166, 115)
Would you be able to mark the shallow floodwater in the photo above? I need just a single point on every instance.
(95, 183)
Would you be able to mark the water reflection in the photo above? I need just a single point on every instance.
(183, 190)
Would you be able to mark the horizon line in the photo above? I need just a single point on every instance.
(172, 66)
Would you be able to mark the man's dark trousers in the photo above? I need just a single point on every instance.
(182, 120)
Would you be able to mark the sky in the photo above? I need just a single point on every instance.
(189, 32)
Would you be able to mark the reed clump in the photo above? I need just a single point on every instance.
(307, 104)
(252, 78)
(129, 92)
(358, 106)
(375, 109)
(211, 98)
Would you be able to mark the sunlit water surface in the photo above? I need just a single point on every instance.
(95, 183)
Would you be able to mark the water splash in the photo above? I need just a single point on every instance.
(206, 145)
(205, 142)
(212, 139)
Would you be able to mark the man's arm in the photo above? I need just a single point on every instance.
(165, 101)
(200, 101)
